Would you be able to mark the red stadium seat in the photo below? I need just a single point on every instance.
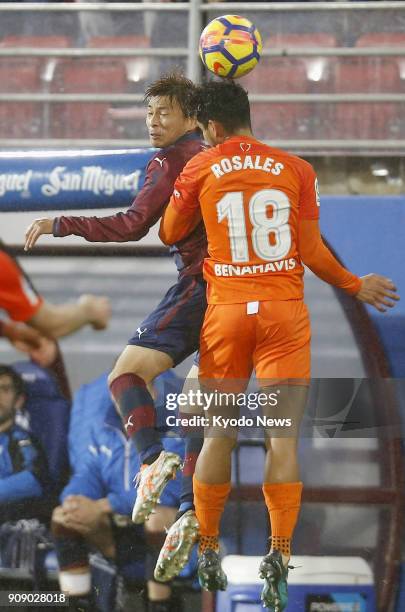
(317, 68)
(384, 77)
(137, 67)
(95, 75)
(386, 39)
(382, 39)
(290, 74)
(36, 41)
(282, 120)
(25, 75)
(366, 120)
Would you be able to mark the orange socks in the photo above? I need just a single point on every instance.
(209, 502)
(283, 501)
(206, 542)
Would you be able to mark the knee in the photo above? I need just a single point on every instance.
(226, 444)
(111, 377)
(57, 515)
(57, 523)
(117, 372)
(160, 520)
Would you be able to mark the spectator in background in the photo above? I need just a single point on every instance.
(97, 502)
(23, 304)
(23, 468)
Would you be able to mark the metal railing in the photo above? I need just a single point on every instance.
(196, 10)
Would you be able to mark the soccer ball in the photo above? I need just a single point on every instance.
(230, 46)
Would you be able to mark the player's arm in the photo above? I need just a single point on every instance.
(318, 258)
(313, 251)
(58, 320)
(131, 225)
(20, 334)
(183, 212)
(23, 304)
(177, 224)
(30, 476)
(19, 486)
(373, 289)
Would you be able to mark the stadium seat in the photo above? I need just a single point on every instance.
(36, 41)
(25, 75)
(381, 39)
(291, 75)
(136, 67)
(366, 120)
(95, 75)
(373, 74)
(386, 39)
(85, 120)
(282, 120)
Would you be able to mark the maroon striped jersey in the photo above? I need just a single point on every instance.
(147, 208)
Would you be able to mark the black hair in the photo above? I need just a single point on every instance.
(18, 383)
(175, 86)
(226, 102)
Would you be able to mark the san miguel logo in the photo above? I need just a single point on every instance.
(15, 181)
(91, 178)
(94, 179)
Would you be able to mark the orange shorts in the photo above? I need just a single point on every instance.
(275, 342)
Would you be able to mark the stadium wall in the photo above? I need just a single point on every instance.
(367, 232)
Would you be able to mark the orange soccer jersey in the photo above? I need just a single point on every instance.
(17, 297)
(252, 197)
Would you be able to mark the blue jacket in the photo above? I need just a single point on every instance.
(23, 467)
(92, 403)
(104, 460)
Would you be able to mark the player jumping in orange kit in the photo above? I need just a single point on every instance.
(260, 206)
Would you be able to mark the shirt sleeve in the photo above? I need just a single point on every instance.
(124, 503)
(309, 197)
(183, 212)
(17, 296)
(316, 255)
(16, 487)
(143, 213)
(87, 480)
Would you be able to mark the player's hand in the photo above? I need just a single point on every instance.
(98, 310)
(82, 513)
(35, 230)
(59, 516)
(21, 336)
(379, 291)
(46, 352)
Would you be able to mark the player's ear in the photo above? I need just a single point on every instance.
(217, 130)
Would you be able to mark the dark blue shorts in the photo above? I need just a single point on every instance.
(175, 324)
